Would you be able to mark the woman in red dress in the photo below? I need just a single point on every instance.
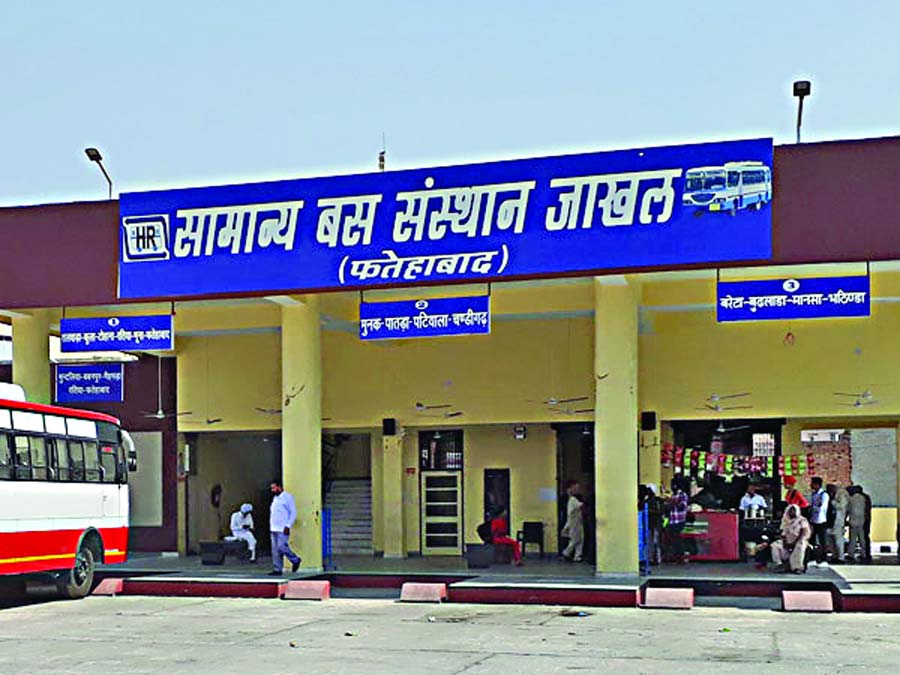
(500, 534)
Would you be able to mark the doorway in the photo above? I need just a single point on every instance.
(496, 493)
(575, 461)
(441, 490)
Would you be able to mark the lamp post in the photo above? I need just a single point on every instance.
(802, 89)
(94, 155)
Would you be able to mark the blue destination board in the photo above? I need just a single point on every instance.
(90, 383)
(543, 217)
(436, 317)
(769, 299)
(117, 333)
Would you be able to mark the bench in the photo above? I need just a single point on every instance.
(481, 556)
(214, 552)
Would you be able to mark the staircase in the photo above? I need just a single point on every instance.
(350, 502)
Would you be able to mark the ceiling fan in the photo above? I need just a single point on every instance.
(159, 414)
(720, 408)
(715, 398)
(721, 429)
(554, 401)
(422, 407)
(447, 415)
(278, 411)
(570, 411)
(865, 395)
(860, 403)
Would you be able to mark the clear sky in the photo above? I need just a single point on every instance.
(198, 93)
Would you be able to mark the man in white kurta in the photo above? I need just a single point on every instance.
(242, 528)
(574, 527)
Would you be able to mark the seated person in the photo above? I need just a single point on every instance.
(500, 534)
(242, 528)
(790, 550)
(752, 504)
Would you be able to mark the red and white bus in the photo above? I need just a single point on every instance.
(63, 492)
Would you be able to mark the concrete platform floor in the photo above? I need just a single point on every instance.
(180, 635)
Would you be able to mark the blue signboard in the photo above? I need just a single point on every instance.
(543, 217)
(425, 318)
(90, 383)
(117, 333)
(793, 299)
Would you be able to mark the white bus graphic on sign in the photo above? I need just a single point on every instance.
(732, 187)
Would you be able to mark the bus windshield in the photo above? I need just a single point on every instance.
(695, 182)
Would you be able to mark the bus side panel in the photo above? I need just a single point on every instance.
(41, 524)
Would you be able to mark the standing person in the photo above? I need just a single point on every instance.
(793, 495)
(574, 527)
(282, 515)
(819, 518)
(867, 527)
(500, 534)
(856, 516)
(678, 508)
(790, 550)
(841, 500)
(242, 528)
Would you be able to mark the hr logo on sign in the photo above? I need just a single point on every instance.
(146, 238)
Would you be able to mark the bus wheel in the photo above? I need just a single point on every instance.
(76, 582)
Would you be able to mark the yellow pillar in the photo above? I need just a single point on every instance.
(897, 530)
(31, 355)
(616, 421)
(392, 496)
(301, 431)
(377, 511)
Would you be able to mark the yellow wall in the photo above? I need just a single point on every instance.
(685, 356)
(884, 525)
(229, 376)
(491, 378)
(532, 464)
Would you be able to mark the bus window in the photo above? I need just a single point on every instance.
(91, 462)
(108, 463)
(76, 460)
(733, 178)
(38, 458)
(59, 458)
(22, 457)
(6, 463)
(122, 466)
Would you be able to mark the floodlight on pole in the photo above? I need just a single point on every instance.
(94, 155)
(802, 89)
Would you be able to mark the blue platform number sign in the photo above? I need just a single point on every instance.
(534, 218)
(437, 317)
(770, 299)
(117, 333)
(90, 383)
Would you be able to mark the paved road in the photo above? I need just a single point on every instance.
(369, 637)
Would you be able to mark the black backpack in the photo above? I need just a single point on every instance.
(484, 532)
(830, 514)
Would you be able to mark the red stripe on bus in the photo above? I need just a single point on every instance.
(40, 551)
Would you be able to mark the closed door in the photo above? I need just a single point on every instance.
(441, 513)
